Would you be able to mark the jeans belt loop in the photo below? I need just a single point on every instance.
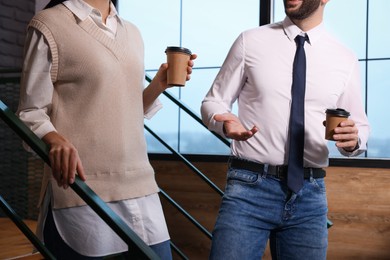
(311, 173)
(280, 172)
(265, 168)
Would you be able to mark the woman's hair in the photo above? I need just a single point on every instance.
(53, 3)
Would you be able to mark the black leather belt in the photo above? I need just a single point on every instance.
(278, 171)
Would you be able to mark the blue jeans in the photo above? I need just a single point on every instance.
(163, 250)
(257, 207)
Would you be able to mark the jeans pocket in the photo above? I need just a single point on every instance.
(242, 176)
(318, 184)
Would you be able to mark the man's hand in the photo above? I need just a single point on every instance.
(64, 160)
(346, 135)
(233, 128)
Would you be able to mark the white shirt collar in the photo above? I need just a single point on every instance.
(82, 10)
(292, 31)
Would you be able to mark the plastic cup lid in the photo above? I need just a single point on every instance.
(178, 49)
(338, 112)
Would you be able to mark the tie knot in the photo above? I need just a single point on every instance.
(300, 40)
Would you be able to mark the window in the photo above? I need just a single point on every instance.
(209, 28)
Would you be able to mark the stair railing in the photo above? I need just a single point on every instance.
(25, 229)
(183, 159)
(135, 244)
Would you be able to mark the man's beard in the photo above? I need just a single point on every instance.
(307, 8)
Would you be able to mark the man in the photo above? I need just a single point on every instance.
(269, 195)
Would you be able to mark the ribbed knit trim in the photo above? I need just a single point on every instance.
(111, 44)
(38, 24)
(88, 26)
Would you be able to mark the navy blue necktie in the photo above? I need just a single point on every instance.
(297, 119)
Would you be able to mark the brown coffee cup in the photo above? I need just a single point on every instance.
(333, 119)
(177, 58)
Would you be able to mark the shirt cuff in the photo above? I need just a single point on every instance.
(216, 127)
(355, 152)
(153, 109)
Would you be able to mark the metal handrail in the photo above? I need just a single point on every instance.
(183, 159)
(190, 112)
(187, 215)
(135, 244)
(180, 253)
(199, 173)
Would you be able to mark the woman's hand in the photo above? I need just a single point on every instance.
(159, 83)
(64, 159)
(161, 75)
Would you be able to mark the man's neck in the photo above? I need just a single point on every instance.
(307, 24)
(310, 22)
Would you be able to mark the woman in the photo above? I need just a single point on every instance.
(82, 93)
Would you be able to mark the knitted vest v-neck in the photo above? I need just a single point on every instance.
(97, 104)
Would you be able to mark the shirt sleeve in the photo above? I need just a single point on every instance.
(352, 101)
(153, 109)
(225, 88)
(36, 87)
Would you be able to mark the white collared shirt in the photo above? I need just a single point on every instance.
(84, 11)
(258, 74)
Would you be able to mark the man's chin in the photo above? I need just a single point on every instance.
(291, 13)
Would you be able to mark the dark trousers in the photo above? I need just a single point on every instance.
(57, 246)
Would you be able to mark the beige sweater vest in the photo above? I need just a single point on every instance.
(97, 105)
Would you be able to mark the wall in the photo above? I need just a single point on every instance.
(40, 4)
(14, 16)
(358, 198)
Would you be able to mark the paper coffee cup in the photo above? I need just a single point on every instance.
(177, 58)
(333, 118)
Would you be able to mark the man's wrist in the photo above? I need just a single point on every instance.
(357, 146)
